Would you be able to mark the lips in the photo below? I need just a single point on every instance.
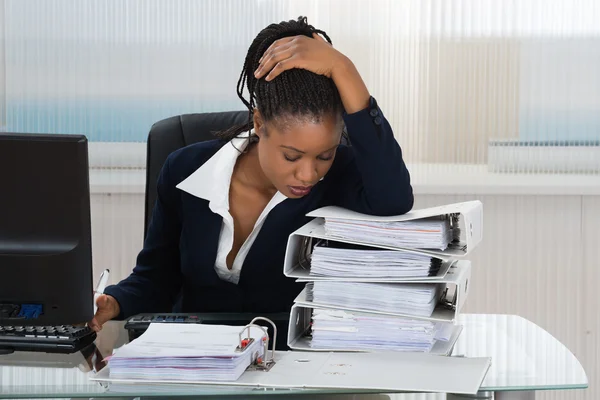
(300, 190)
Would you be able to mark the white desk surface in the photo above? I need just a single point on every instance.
(524, 357)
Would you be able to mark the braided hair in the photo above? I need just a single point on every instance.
(296, 93)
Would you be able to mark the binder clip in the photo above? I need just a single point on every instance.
(259, 363)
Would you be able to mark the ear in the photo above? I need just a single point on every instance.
(258, 122)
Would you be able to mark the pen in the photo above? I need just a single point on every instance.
(100, 288)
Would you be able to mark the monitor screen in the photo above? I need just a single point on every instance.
(45, 235)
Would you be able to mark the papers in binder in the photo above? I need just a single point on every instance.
(338, 259)
(187, 353)
(329, 329)
(428, 233)
(418, 299)
(453, 292)
(451, 230)
(343, 372)
(356, 261)
(351, 330)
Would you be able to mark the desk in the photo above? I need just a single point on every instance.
(525, 359)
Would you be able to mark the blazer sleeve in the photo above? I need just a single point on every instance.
(156, 280)
(373, 178)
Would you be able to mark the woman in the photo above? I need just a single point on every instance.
(226, 207)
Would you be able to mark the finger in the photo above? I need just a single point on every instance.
(272, 60)
(95, 325)
(319, 38)
(278, 50)
(281, 66)
(276, 44)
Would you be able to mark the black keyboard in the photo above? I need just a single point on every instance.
(49, 339)
(138, 324)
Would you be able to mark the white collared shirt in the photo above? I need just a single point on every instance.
(212, 182)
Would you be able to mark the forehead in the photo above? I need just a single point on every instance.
(310, 135)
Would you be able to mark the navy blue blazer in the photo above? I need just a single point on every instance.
(180, 248)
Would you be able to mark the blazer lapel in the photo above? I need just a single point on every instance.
(200, 239)
(284, 218)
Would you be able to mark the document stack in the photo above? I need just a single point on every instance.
(187, 353)
(382, 283)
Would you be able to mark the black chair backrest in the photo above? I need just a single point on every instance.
(172, 133)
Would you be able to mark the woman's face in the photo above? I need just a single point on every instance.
(296, 153)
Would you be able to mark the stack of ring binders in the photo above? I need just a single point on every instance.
(394, 283)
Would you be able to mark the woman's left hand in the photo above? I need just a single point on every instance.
(318, 56)
(313, 54)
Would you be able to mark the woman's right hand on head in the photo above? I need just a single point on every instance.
(108, 308)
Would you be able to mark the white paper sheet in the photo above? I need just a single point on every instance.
(418, 299)
(187, 352)
(336, 259)
(372, 332)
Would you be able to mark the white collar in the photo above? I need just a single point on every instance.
(212, 180)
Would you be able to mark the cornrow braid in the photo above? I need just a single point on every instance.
(293, 93)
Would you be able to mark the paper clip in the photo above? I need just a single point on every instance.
(260, 363)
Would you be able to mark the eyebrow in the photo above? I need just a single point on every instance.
(303, 152)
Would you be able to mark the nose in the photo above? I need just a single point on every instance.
(307, 173)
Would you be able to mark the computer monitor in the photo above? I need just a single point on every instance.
(45, 236)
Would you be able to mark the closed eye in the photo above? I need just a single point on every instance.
(327, 156)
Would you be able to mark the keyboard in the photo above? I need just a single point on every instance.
(49, 339)
(138, 324)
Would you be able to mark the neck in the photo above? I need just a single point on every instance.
(249, 173)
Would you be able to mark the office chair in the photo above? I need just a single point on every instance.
(170, 134)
